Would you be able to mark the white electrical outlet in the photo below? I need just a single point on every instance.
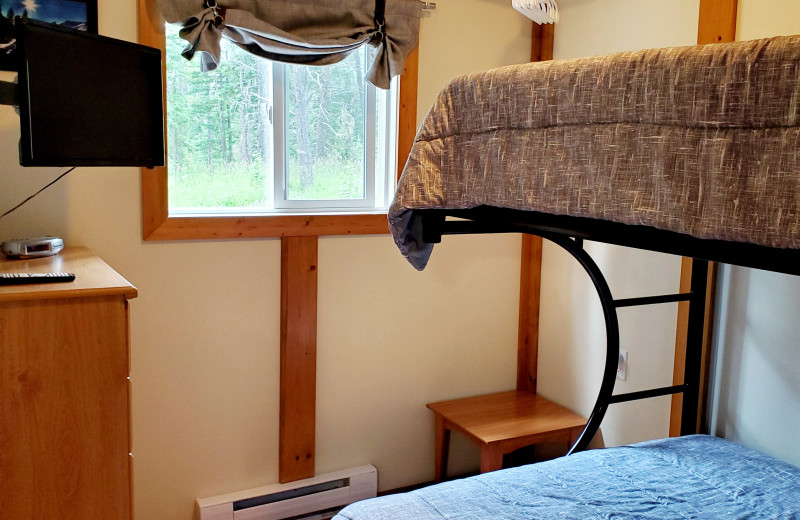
(622, 365)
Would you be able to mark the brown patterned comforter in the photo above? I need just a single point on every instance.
(700, 140)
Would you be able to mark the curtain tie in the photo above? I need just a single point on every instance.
(219, 12)
(380, 21)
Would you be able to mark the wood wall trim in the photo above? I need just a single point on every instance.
(680, 348)
(157, 225)
(542, 37)
(529, 291)
(407, 111)
(705, 361)
(298, 358)
(154, 181)
(716, 24)
(681, 330)
(223, 227)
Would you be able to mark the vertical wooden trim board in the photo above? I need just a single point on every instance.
(716, 24)
(407, 112)
(680, 347)
(531, 262)
(542, 37)
(529, 290)
(298, 358)
(681, 330)
(705, 362)
(154, 180)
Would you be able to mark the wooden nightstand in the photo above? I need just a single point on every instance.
(501, 423)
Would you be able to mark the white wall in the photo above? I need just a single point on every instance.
(756, 379)
(572, 335)
(205, 335)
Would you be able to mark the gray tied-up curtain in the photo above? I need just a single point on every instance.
(311, 32)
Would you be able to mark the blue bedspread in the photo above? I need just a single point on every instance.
(679, 478)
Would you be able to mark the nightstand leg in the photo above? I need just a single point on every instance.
(491, 458)
(573, 438)
(441, 449)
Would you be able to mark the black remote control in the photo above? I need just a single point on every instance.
(25, 278)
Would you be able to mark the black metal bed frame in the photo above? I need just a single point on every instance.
(569, 232)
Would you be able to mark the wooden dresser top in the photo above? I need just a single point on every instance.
(93, 277)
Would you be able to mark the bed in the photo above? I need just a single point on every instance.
(677, 478)
(693, 151)
(694, 142)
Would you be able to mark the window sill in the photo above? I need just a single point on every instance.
(222, 227)
(258, 212)
(159, 225)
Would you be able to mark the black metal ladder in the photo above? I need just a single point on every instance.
(435, 226)
(694, 342)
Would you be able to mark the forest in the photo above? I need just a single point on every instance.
(221, 136)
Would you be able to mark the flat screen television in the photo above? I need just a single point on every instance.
(87, 100)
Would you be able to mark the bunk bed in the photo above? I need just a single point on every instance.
(693, 151)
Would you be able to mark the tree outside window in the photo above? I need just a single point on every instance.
(260, 137)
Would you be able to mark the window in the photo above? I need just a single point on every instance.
(255, 136)
(188, 220)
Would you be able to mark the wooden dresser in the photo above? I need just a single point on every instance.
(65, 392)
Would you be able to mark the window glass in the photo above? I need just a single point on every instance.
(326, 130)
(218, 130)
(260, 137)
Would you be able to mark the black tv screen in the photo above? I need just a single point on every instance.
(87, 100)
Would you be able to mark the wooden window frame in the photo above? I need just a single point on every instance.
(716, 23)
(158, 225)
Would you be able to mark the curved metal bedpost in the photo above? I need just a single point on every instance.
(488, 220)
(575, 248)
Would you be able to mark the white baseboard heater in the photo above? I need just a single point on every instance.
(314, 498)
